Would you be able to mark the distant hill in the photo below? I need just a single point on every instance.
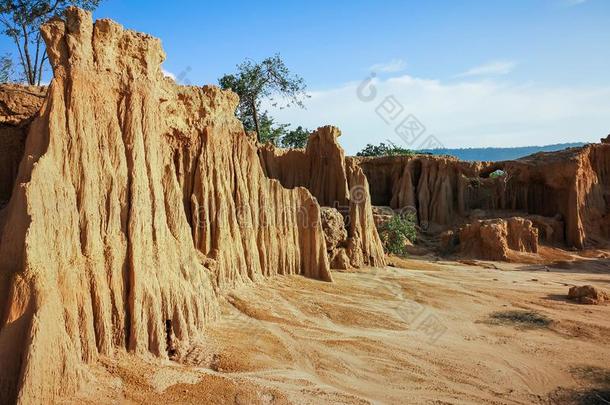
(498, 154)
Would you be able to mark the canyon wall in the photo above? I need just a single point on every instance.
(566, 194)
(336, 182)
(137, 200)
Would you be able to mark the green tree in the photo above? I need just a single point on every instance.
(296, 138)
(6, 68)
(269, 130)
(382, 149)
(255, 82)
(20, 20)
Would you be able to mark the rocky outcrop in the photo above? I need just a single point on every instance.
(335, 233)
(334, 228)
(550, 230)
(320, 167)
(137, 200)
(497, 239)
(569, 187)
(18, 106)
(336, 182)
(588, 294)
(364, 244)
(522, 235)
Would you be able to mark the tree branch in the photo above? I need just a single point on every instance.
(44, 58)
(38, 40)
(52, 9)
(28, 58)
(21, 58)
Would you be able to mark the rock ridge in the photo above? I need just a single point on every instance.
(136, 203)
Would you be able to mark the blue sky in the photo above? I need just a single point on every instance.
(474, 73)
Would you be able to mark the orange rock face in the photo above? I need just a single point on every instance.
(136, 202)
(433, 187)
(588, 295)
(574, 183)
(320, 167)
(568, 192)
(333, 224)
(336, 182)
(495, 239)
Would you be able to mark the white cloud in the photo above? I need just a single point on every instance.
(395, 65)
(493, 68)
(460, 114)
(168, 74)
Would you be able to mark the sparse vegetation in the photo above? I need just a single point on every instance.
(596, 381)
(397, 232)
(521, 318)
(586, 396)
(391, 149)
(592, 374)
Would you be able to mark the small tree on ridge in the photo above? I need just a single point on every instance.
(269, 79)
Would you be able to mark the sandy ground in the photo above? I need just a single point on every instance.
(425, 333)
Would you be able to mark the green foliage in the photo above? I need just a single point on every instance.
(6, 68)
(297, 138)
(268, 80)
(382, 149)
(498, 173)
(269, 130)
(279, 134)
(396, 232)
(20, 20)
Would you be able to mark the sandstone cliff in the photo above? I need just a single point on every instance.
(566, 194)
(336, 182)
(136, 201)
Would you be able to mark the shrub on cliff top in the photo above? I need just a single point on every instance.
(296, 138)
(391, 149)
